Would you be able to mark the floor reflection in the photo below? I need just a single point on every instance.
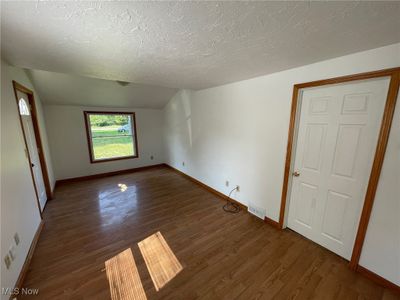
(160, 260)
(123, 277)
(117, 203)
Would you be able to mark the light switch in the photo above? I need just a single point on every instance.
(16, 238)
(7, 261)
(12, 253)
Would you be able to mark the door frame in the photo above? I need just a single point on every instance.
(31, 99)
(379, 156)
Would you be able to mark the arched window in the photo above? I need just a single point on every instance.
(23, 107)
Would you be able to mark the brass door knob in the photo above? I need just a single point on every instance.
(296, 174)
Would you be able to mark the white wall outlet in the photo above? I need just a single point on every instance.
(227, 183)
(183, 163)
(152, 157)
(238, 188)
(12, 253)
(7, 261)
(16, 238)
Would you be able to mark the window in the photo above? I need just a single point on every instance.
(23, 107)
(111, 135)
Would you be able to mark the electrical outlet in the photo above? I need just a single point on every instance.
(11, 252)
(227, 183)
(183, 163)
(16, 238)
(152, 157)
(238, 188)
(7, 261)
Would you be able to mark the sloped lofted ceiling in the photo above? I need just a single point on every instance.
(187, 44)
(64, 89)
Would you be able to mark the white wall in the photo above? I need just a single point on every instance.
(381, 251)
(238, 132)
(68, 142)
(19, 211)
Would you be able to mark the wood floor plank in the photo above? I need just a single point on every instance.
(161, 262)
(124, 278)
(224, 256)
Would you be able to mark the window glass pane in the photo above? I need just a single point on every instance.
(23, 107)
(110, 125)
(112, 135)
(117, 146)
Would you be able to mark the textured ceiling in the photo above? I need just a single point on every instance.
(189, 44)
(64, 89)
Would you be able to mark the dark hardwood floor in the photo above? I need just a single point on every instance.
(224, 256)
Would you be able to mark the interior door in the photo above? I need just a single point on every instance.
(25, 112)
(337, 136)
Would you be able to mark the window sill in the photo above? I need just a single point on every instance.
(112, 159)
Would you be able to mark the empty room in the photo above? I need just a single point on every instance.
(200, 150)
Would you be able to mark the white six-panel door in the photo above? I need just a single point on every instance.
(337, 135)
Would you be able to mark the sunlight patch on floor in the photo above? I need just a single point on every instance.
(123, 277)
(160, 260)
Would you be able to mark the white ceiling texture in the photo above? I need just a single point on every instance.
(192, 45)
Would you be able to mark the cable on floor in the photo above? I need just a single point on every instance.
(230, 206)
